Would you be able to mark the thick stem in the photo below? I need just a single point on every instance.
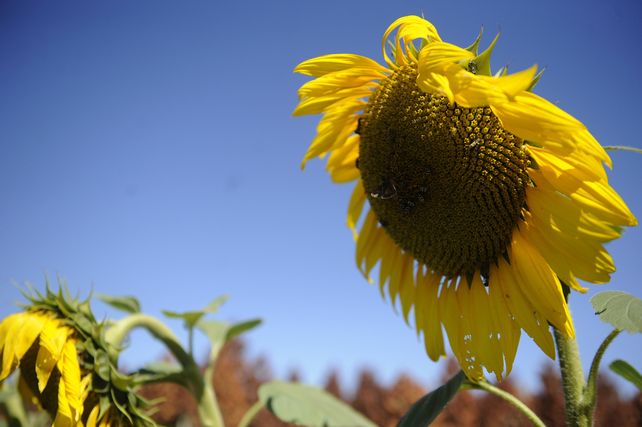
(518, 404)
(572, 380)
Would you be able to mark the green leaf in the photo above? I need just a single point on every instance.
(621, 310)
(221, 332)
(309, 406)
(128, 304)
(425, 410)
(241, 327)
(216, 332)
(627, 372)
(191, 318)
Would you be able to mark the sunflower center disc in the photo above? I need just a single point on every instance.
(446, 183)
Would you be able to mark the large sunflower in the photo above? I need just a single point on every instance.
(485, 200)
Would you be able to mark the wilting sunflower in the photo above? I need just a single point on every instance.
(66, 366)
(485, 201)
(45, 350)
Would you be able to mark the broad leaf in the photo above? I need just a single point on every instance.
(308, 406)
(627, 372)
(127, 304)
(425, 410)
(621, 310)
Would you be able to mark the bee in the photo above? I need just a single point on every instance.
(475, 143)
(472, 67)
(387, 190)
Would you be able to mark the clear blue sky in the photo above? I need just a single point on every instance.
(147, 148)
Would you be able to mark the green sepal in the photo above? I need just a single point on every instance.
(482, 61)
(536, 80)
(120, 406)
(474, 48)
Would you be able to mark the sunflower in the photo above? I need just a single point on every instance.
(45, 350)
(66, 366)
(485, 202)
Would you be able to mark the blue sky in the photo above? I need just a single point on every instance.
(147, 148)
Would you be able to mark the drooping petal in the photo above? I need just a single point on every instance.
(355, 207)
(319, 104)
(342, 162)
(539, 284)
(52, 341)
(409, 28)
(69, 368)
(326, 64)
(521, 308)
(12, 328)
(339, 80)
(509, 331)
(427, 313)
(334, 128)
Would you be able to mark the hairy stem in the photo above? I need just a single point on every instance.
(572, 380)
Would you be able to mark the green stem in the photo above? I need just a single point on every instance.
(201, 389)
(590, 393)
(250, 414)
(518, 404)
(572, 380)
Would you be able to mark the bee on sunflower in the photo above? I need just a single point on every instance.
(478, 203)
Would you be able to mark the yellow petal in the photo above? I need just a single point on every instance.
(334, 128)
(509, 331)
(63, 416)
(355, 207)
(333, 82)
(93, 417)
(426, 301)
(342, 161)
(435, 56)
(70, 377)
(539, 284)
(323, 65)
(318, 104)
(12, 328)
(52, 340)
(29, 331)
(407, 286)
(365, 236)
(408, 28)
(485, 332)
(521, 309)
